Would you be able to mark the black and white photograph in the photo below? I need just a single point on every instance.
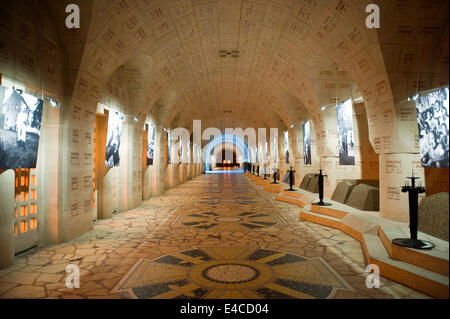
(432, 119)
(150, 144)
(169, 147)
(20, 126)
(286, 146)
(112, 158)
(345, 133)
(306, 143)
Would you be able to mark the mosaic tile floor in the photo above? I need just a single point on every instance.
(217, 236)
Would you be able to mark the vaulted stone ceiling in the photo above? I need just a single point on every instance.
(294, 56)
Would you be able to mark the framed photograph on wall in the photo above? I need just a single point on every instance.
(432, 119)
(150, 144)
(345, 133)
(112, 156)
(20, 127)
(306, 143)
(169, 147)
(286, 146)
(275, 149)
(180, 149)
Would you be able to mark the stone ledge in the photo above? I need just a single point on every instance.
(419, 258)
(326, 210)
(301, 202)
(263, 182)
(274, 188)
(423, 280)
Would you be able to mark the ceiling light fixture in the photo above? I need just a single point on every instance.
(53, 102)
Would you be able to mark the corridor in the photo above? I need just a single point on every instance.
(215, 236)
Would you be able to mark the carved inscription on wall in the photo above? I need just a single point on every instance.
(393, 193)
(393, 167)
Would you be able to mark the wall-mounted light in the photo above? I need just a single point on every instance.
(292, 125)
(323, 108)
(136, 119)
(414, 97)
(53, 102)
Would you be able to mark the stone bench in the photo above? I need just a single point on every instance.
(359, 194)
(310, 183)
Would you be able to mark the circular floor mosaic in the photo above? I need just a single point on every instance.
(233, 221)
(234, 272)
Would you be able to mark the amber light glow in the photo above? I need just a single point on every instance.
(23, 226)
(25, 211)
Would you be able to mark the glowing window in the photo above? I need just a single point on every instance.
(23, 226)
(33, 223)
(33, 209)
(33, 179)
(23, 211)
(33, 195)
(15, 229)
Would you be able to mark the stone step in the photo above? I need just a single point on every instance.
(328, 211)
(318, 218)
(421, 279)
(263, 182)
(299, 201)
(435, 260)
(293, 194)
(424, 280)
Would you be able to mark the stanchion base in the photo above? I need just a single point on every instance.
(322, 204)
(290, 190)
(413, 243)
(275, 183)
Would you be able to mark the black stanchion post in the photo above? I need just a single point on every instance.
(321, 178)
(274, 175)
(265, 173)
(413, 196)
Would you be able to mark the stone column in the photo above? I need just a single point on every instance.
(48, 175)
(399, 158)
(77, 166)
(130, 185)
